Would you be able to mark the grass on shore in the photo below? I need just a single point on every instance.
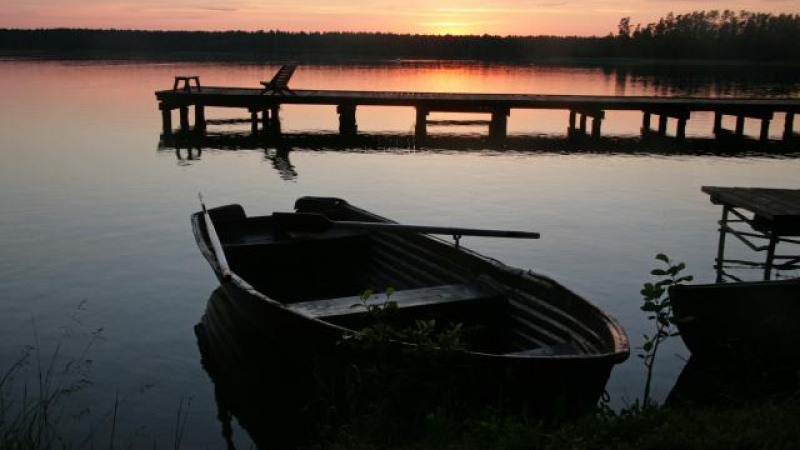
(766, 424)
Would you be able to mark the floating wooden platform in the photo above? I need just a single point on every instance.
(264, 108)
(772, 215)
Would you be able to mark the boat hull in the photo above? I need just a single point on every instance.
(753, 322)
(534, 381)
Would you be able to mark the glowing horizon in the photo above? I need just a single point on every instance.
(502, 18)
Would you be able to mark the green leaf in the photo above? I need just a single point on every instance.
(647, 346)
(662, 257)
(658, 272)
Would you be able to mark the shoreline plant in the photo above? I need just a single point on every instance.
(658, 306)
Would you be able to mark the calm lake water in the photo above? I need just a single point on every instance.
(95, 222)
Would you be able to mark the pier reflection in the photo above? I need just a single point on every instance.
(189, 146)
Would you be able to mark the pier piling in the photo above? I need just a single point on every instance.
(184, 115)
(498, 127)
(421, 125)
(347, 120)
(199, 117)
(166, 120)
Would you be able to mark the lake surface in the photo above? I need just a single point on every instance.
(95, 222)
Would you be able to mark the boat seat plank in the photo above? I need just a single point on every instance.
(408, 298)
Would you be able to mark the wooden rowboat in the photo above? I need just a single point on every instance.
(754, 322)
(530, 339)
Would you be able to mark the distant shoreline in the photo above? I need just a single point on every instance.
(624, 49)
(349, 60)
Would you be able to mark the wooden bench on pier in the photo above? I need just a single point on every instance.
(187, 82)
(280, 82)
(408, 298)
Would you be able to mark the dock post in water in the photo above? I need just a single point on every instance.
(199, 117)
(741, 117)
(184, 113)
(597, 121)
(664, 114)
(597, 116)
(166, 119)
(347, 120)
(253, 120)
(788, 127)
(498, 127)
(764, 135)
(274, 120)
(739, 131)
(421, 126)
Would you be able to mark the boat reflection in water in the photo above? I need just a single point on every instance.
(273, 397)
(725, 382)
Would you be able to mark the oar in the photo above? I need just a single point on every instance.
(224, 269)
(317, 223)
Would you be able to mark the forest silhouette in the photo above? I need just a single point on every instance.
(702, 35)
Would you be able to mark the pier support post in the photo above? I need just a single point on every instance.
(680, 133)
(739, 126)
(184, 113)
(681, 115)
(253, 121)
(199, 118)
(166, 120)
(274, 120)
(582, 115)
(788, 126)
(347, 120)
(662, 125)
(717, 123)
(498, 127)
(597, 122)
(764, 135)
(265, 119)
(723, 230)
(421, 125)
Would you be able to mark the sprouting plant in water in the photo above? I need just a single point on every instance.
(658, 306)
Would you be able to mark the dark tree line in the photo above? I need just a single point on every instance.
(713, 34)
(697, 35)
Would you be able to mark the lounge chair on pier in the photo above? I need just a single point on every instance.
(280, 82)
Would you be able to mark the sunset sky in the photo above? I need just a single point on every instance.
(500, 17)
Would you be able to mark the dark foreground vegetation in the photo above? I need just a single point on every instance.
(714, 405)
(767, 424)
(695, 36)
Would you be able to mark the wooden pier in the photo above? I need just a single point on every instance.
(761, 219)
(264, 106)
